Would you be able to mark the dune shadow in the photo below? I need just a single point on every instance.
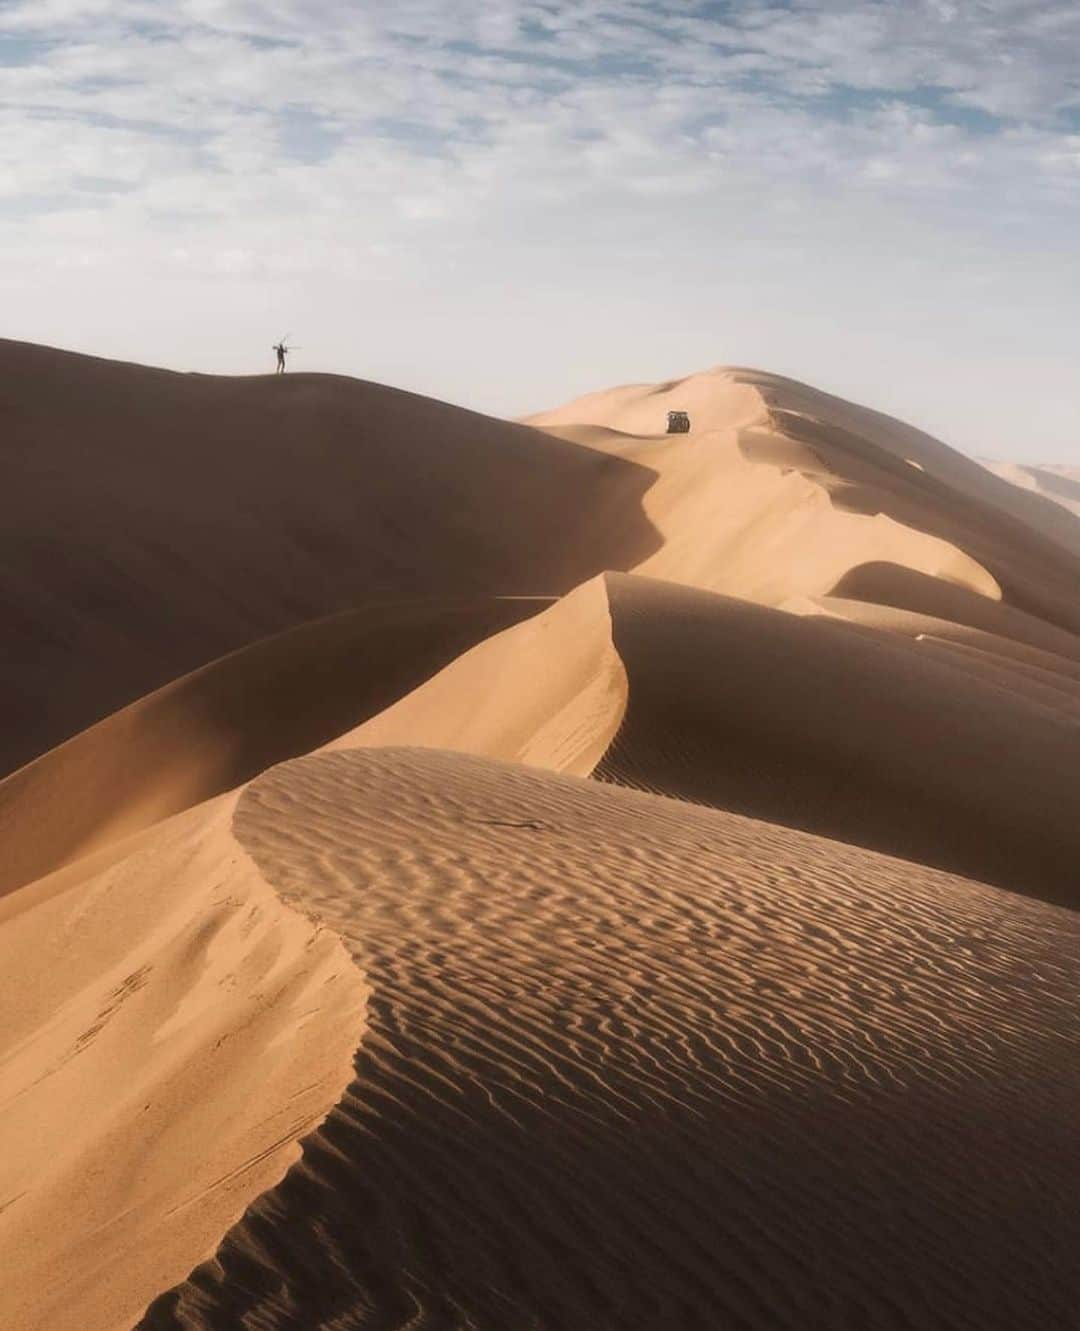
(169, 520)
(845, 731)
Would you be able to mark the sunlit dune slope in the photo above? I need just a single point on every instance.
(736, 398)
(949, 752)
(750, 513)
(221, 725)
(781, 490)
(153, 521)
(170, 1031)
(636, 1064)
(549, 693)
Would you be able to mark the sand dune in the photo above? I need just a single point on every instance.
(736, 398)
(829, 486)
(1059, 484)
(636, 1064)
(170, 1031)
(737, 515)
(745, 507)
(1018, 647)
(210, 731)
(873, 740)
(895, 741)
(716, 400)
(905, 589)
(155, 521)
(622, 1056)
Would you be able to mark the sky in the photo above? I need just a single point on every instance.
(507, 203)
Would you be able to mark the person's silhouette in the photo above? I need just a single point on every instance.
(282, 351)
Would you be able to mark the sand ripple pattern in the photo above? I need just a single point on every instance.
(635, 1064)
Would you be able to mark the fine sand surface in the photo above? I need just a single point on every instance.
(543, 779)
(843, 486)
(632, 1063)
(171, 1029)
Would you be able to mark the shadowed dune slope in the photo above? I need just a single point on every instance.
(633, 1064)
(219, 726)
(945, 752)
(961, 476)
(1032, 554)
(865, 736)
(886, 584)
(170, 1030)
(1006, 651)
(153, 521)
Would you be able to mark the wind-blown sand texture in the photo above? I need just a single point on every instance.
(548, 781)
(632, 1063)
(170, 1030)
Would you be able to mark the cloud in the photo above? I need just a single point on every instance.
(860, 90)
(570, 143)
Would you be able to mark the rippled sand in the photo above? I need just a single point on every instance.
(635, 1064)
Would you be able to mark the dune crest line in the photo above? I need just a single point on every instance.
(171, 1030)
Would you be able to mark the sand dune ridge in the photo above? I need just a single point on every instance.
(618, 1046)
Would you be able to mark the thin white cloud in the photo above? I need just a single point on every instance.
(472, 79)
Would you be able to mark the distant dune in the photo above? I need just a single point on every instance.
(1057, 483)
(549, 875)
(834, 485)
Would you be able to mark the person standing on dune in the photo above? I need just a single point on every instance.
(282, 351)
